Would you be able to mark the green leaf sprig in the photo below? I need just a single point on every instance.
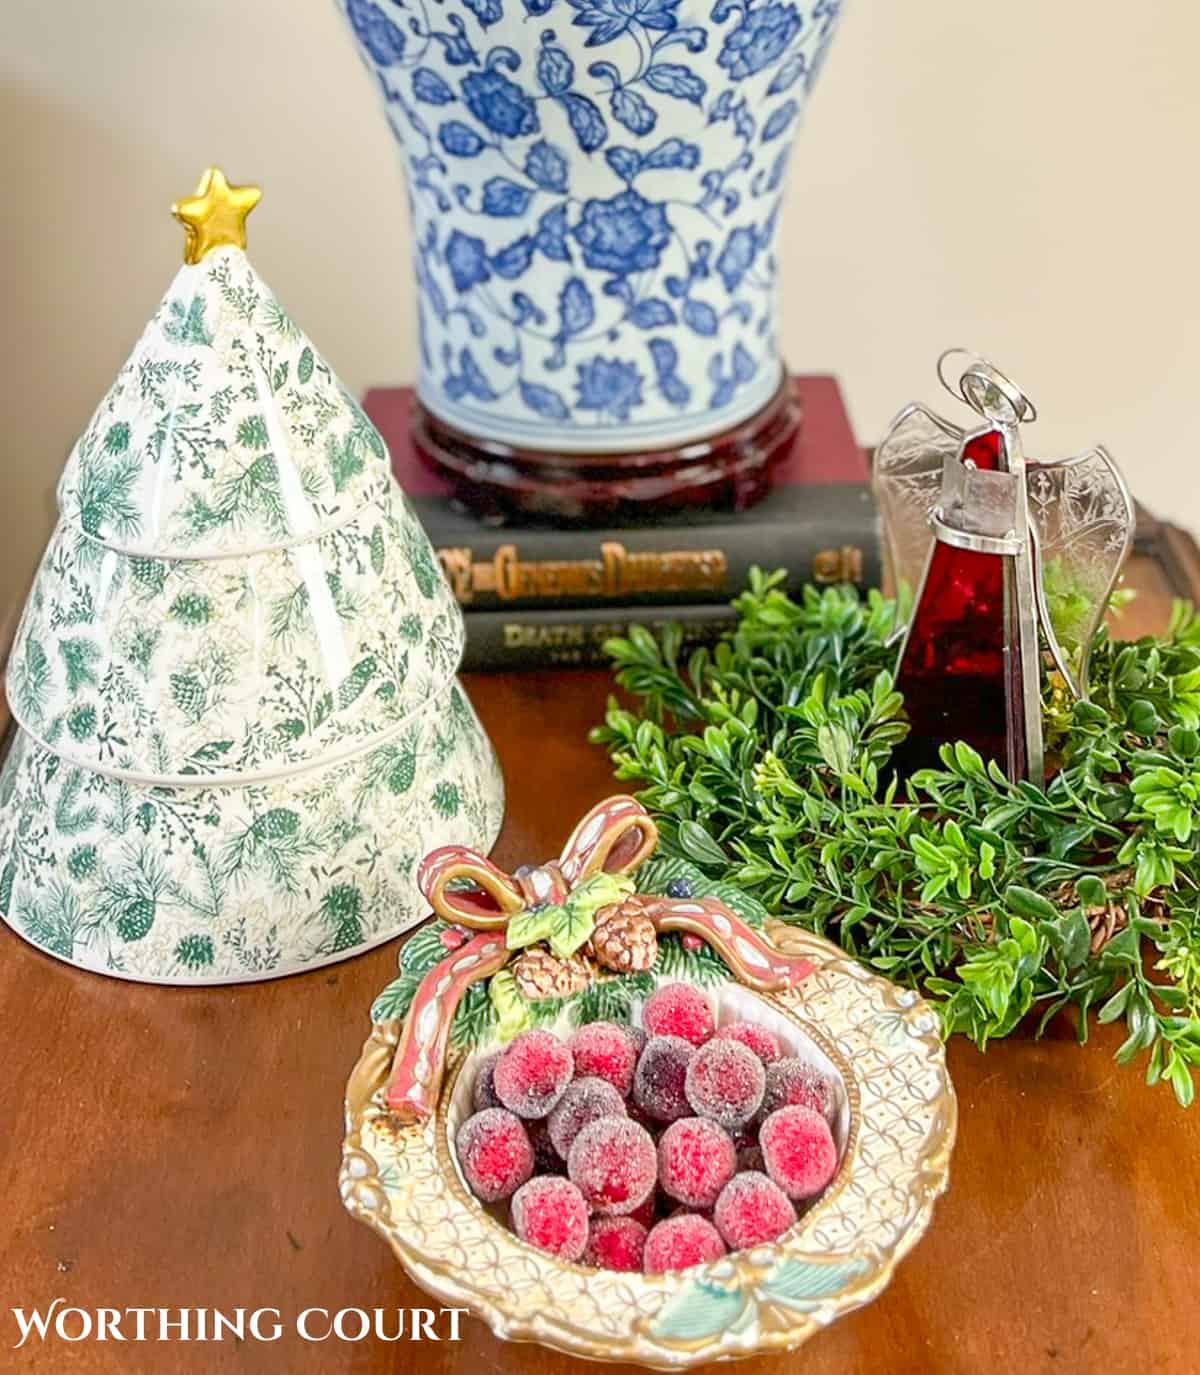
(765, 761)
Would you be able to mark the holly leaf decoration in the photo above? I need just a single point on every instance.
(533, 925)
(574, 923)
(512, 1013)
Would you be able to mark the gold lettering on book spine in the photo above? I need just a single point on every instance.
(616, 573)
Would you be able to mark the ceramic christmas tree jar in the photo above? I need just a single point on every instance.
(595, 189)
(235, 675)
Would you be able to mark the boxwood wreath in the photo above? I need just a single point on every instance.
(765, 763)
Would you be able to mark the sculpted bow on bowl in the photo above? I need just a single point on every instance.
(568, 903)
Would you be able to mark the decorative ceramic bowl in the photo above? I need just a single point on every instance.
(165, 670)
(895, 1127)
(204, 883)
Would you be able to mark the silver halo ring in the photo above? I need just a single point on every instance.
(984, 372)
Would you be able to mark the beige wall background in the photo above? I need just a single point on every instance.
(1020, 178)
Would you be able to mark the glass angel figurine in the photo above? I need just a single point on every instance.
(1006, 559)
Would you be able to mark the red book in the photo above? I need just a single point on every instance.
(818, 521)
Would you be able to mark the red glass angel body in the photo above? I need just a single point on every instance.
(1002, 554)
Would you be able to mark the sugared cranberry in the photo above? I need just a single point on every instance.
(607, 1051)
(725, 1082)
(696, 1159)
(658, 1085)
(549, 1212)
(483, 1090)
(798, 1151)
(681, 1242)
(583, 1101)
(753, 1037)
(615, 1243)
(679, 1010)
(495, 1153)
(793, 1083)
(532, 1072)
(613, 1162)
(751, 1210)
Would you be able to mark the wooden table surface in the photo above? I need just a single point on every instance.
(170, 1147)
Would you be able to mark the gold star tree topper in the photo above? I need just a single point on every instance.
(216, 215)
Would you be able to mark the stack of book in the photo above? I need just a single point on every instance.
(538, 596)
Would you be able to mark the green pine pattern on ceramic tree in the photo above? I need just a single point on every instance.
(232, 882)
(177, 667)
(224, 431)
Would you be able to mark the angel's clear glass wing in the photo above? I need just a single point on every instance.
(907, 482)
(1082, 514)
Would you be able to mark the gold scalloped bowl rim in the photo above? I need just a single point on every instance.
(879, 1037)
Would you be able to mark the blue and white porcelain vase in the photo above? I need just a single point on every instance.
(595, 190)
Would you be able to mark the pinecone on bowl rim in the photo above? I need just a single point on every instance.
(624, 938)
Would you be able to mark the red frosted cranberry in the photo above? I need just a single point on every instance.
(614, 1164)
(615, 1243)
(607, 1051)
(752, 1210)
(583, 1101)
(679, 1010)
(532, 1072)
(680, 1242)
(798, 1151)
(495, 1153)
(696, 1159)
(725, 1081)
(658, 1085)
(549, 1213)
(792, 1083)
(753, 1037)
(483, 1090)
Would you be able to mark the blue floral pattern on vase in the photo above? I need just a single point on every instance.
(595, 187)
